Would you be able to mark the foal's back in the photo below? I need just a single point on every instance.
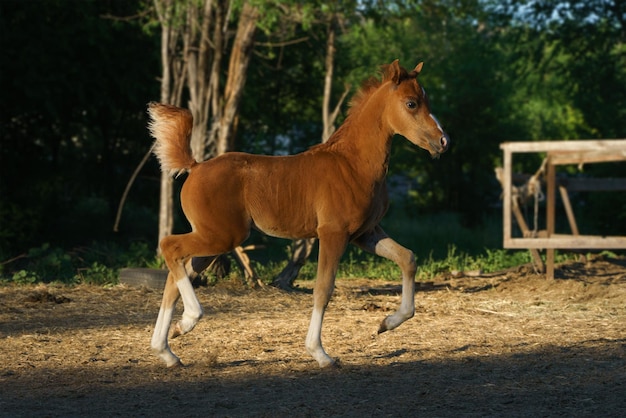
(283, 196)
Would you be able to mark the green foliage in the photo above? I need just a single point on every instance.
(97, 264)
(357, 264)
(24, 277)
(47, 263)
(75, 86)
(75, 81)
(97, 274)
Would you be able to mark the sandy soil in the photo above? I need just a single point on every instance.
(513, 344)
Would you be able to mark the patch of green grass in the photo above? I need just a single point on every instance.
(97, 264)
(440, 242)
(357, 264)
(433, 234)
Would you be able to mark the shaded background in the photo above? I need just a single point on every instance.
(76, 76)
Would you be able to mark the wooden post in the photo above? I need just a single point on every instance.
(550, 212)
(527, 234)
(568, 210)
(506, 185)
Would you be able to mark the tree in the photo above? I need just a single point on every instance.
(172, 81)
(194, 39)
(70, 119)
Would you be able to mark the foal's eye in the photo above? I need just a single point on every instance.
(411, 104)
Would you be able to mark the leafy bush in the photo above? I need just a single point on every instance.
(97, 264)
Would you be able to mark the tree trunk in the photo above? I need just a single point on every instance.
(205, 40)
(300, 252)
(225, 114)
(204, 48)
(172, 81)
(329, 126)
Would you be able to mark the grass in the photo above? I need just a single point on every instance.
(360, 265)
(440, 243)
(432, 235)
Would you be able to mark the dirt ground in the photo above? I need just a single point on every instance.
(510, 344)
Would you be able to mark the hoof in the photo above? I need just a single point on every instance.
(176, 365)
(383, 327)
(177, 331)
(333, 364)
(168, 358)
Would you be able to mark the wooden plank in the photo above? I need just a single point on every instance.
(558, 241)
(569, 210)
(581, 184)
(610, 145)
(550, 214)
(586, 157)
(506, 207)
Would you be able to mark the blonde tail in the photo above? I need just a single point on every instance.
(171, 128)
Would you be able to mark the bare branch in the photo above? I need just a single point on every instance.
(282, 44)
(127, 189)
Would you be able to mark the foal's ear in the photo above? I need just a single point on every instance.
(418, 68)
(392, 72)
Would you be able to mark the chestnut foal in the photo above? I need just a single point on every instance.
(334, 191)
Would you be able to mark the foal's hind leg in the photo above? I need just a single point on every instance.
(159, 337)
(378, 242)
(177, 249)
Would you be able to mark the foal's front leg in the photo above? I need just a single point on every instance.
(161, 328)
(378, 242)
(331, 247)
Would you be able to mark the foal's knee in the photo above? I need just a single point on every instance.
(169, 247)
(408, 263)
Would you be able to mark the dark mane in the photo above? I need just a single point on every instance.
(373, 83)
(360, 97)
(367, 88)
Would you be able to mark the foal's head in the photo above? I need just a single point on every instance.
(408, 111)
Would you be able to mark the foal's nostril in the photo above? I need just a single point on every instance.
(444, 141)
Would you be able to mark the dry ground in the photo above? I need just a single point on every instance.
(508, 345)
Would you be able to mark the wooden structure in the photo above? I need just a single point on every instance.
(577, 152)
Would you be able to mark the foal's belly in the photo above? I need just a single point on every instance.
(285, 227)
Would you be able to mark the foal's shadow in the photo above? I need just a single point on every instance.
(394, 289)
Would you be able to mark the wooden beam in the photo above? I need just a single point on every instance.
(560, 153)
(550, 215)
(527, 233)
(587, 156)
(569, 210)
(506, 185)
(562, 241)
(609, 145)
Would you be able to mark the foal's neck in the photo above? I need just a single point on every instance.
(366, 137)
